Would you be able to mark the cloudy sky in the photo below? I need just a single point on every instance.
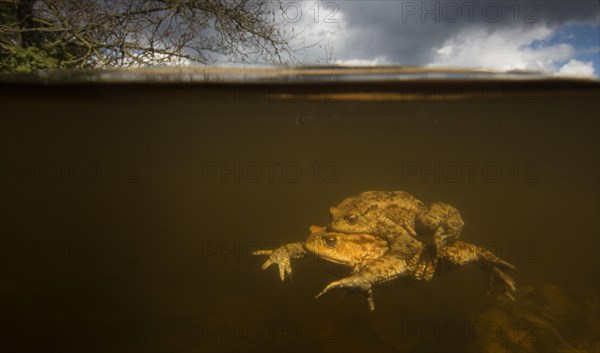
(556, 37)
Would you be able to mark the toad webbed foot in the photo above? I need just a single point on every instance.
(282, 256)
(460, 253)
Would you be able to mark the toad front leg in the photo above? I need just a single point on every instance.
(443, 222)
(282, 256)
(378, 271)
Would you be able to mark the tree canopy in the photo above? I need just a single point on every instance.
(87, 34)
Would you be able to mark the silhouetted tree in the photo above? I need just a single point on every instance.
(62, 34)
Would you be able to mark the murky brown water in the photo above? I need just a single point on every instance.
(128, 213)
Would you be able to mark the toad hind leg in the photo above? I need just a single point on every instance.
(444, 221)
(461, 253)
(383, 269)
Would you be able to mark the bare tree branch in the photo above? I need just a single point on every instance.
(125, 33)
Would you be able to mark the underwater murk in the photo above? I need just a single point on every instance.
(132, 203)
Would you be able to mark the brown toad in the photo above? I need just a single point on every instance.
(374, 261)
(396, 216)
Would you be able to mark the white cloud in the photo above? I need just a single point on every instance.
(328, 37)
(322, 32)
(446, 50)
(576, 68)
(380, 60)
(505, 48)
(368, 33)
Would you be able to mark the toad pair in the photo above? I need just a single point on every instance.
(384, 235)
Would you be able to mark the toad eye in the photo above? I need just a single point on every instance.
(329, 241)
(352, 219)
